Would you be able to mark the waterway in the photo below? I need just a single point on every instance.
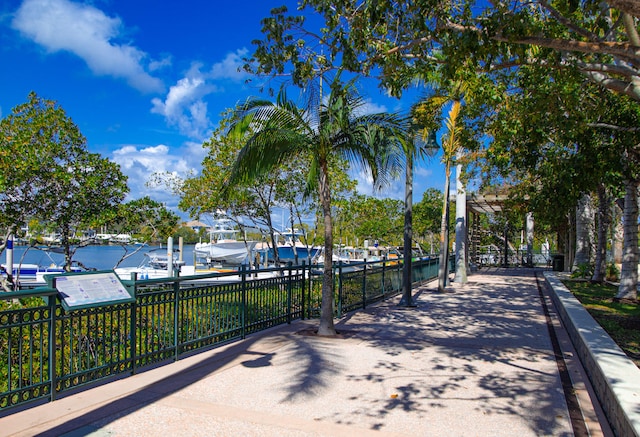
(97, 257)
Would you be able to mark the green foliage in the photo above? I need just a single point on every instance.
(47, 173)
(148, 219)
(535, 114)
(583, 271)
(621, 319)
(363, 217)
(427, 213)
(189, 236)
(612, 272)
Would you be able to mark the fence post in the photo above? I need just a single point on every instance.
(243, 309)
(133, 322)
(384, 267)
(53, 376)
(339, 288)
(304, 286)
(176, 315)
(289, 264)
(364, 284)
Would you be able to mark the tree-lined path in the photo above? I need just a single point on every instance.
(476, 360)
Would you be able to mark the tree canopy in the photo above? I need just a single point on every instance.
(47, 172)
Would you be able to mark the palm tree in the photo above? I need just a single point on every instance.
(426, 111)
(450, 147)
(628, 288)
(422, 145)
(319, 131)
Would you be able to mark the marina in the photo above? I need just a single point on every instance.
(99, 257)
(30, 264)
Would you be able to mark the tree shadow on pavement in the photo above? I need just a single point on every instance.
(484, 345)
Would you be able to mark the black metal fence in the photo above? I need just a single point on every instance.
(46, 350)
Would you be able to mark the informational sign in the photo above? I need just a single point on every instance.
(91, 289)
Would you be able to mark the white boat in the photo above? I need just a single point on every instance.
(224, 247)
(30, 271)
(293, 247)
(153, 266)
(32, 275)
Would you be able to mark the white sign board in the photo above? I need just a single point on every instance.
(86, 290)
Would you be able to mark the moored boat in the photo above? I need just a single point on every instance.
(291, 247)
(224, 247)
(153, 266)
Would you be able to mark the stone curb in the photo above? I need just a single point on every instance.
(614, 376)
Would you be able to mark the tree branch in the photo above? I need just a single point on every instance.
(565, 22)
(621, 70)
(617, 85)
(614, 127)
(631, 7)
(621, 49)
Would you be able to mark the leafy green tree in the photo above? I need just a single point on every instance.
(317, 132)
(450, 147)
(396, 39)
(371, 218)
(188, 235)
(65, 184)
(427, 214)
(28, 142)
(82, 188)
(558, 139)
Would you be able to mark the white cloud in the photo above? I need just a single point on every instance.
(394, 190)
(184, 105)
(422, 172)
(230, 67)
(160, 64)
(61, 25)
(140, 162)
(372, 108)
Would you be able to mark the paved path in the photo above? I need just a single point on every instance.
(477, 360)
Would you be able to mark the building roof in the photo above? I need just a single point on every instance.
(196, 224)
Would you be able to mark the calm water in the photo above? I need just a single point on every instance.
(97, 257)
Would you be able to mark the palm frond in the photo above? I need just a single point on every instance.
(451, 143)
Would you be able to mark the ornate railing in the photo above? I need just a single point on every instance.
(45, 350)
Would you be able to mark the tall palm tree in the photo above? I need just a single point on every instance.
(427, 111)
(450, 147)
(337, 126)
(420, 145)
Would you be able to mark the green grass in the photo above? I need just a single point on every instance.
(621, 320)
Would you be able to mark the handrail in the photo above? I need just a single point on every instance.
(45, 350)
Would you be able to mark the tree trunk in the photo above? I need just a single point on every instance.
(461, 229)
(584, 226)
(529, 224)
(604, 221)
(293, 236)
(66, 244)
(408, 234)
(326, 311)
(629, 272)
(443, 269)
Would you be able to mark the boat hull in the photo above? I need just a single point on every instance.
(228, 252)
(286, 254)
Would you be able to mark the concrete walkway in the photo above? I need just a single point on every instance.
(477, 360)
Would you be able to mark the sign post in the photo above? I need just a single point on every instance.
(90, 289)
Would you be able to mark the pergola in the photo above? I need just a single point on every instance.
(489, 203)
(485, 203)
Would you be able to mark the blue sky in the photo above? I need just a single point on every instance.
(146, 80)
